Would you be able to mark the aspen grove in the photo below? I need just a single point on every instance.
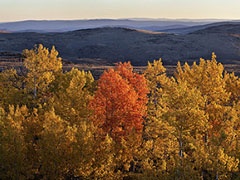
(125, 125)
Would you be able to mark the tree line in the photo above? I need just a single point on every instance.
(125, 125)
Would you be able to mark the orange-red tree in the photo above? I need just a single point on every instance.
(120, 101)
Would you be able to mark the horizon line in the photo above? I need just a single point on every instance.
(130, 18)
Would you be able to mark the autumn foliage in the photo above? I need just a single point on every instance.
(119, 103)
(125, 125)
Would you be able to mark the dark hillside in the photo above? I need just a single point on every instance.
(105, 46)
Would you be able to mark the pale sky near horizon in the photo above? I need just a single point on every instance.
(15, 10)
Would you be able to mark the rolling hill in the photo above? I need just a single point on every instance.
(108, 45)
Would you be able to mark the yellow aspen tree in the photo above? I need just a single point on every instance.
(185, 114)
(232, 86)
(232, 142)
(41, 65)
(11, 91)
(55, 147)
(14, 162)
(72, 92)
(73, 151)
(160, 146)
(208, 78)
(104, 163)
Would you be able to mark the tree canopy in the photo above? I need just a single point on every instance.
(57, 124)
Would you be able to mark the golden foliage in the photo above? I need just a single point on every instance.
(41, 65)
(61, 125)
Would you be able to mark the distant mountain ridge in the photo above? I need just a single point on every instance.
(190, 29)
(71, 25)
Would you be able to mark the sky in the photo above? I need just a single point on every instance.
(16, 10)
